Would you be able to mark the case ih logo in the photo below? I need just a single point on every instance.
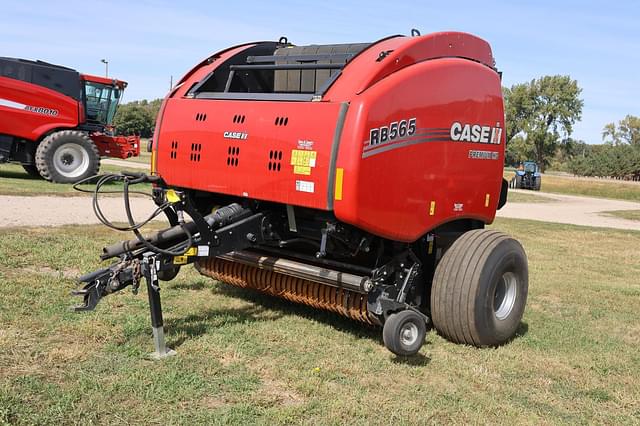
(41, 110)
(235, 135)
(476, 133)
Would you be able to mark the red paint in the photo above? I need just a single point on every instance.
(31, 126)
(438, 79)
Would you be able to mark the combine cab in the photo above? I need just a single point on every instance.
(56, 122)
(528, 176)
(337, 176)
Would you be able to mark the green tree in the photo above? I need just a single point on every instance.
(627, 131)
(134, 119)
(543, 112)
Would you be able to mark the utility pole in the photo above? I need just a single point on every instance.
(106, 67)
(171, 83)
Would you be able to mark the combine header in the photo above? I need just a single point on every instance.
(354, 178)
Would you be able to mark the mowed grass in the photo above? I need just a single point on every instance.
(245, 358)
(15, 181)
(525, 197)
(586, 187)
(624, 214)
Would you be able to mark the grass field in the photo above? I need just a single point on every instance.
(243, 358)
(525, 197)
(15, 181)
(590, 188)
(625, 214)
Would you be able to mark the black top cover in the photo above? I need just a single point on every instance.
(54, 77)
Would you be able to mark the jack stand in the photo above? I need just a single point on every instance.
(150, 272)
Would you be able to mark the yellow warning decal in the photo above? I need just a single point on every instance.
(302, 170)
(180, 260)
(432, 208)
(153, 162)
(304, 158)
(339, 178)
(486, 200)
(191, 252)
(172, 196)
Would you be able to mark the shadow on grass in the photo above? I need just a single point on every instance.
(264, 303)
(9, 174)
(417, 360)
(522, 331)
(202, 323)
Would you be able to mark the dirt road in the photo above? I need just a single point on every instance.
(55, 211)
(572, 209)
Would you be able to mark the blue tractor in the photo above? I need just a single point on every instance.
(528, 176)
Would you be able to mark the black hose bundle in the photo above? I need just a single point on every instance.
(129, 178)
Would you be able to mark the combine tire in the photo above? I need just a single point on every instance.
(67, 157)
(32, 170)
(480, 289)
(403, 332)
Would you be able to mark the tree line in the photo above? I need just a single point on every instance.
(540, 116)
(137, 118)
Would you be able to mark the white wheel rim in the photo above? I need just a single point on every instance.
(409, 334)
(71, 160)
(504, 298)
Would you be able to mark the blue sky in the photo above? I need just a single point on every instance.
(597, 43)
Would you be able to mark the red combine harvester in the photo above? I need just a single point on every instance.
(355, 178)
(57, 122)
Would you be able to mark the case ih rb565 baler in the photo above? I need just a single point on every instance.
(355, 178)
(56, 122)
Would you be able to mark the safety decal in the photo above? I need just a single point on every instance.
(303, 161)
(305, 186)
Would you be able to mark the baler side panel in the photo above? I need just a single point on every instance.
(246, 148)
(29, 111)
(403, 189)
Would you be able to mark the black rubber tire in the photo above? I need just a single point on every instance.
(518, 181)
(47, 150)
(392, 332)
(32, 170)
(538, 184)
(466, 283)
(168, 274)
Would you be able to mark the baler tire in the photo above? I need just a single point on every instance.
(480, 289)
(32, 170)
(67, 145)
(403, 332)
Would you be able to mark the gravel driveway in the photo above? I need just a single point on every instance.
(55, 211)
(572, 209)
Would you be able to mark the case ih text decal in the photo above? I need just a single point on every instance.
(476, 133)
(403, 133)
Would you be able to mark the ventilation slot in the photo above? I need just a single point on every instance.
(275, 161)
(282, 121)
(196, 148)
(238, 118)
(233, 154)
(173, 154)
(201, 116)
